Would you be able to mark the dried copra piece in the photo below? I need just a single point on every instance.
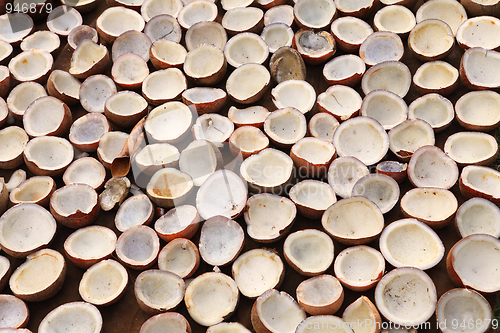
(15, 179)
(115, 191)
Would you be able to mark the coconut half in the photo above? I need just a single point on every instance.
(245, 48)
(477, 66)
(334, 323)
(279, 14)
(47, 116)
(298, 94)
(179, 256)
(467, 148)
(15, 312)
(129, 71)
(247, 83)
(110, 146)
(206, 32)
(473, 263)
(309, 252)
(470, 32)
(247, 140)
(258, 270)
(347, 69)
(386, 107)
(172, 321)
(434, 109)
(444, 170)
(314, 14)
(36, 189)
(228, 327)
(80, 33)
(381, 189)
(48, 155)
(211, 297)
(251, 116)
(15, 27)
(86, 131)
(411, 243)
(320, 295)
(64, 86)
(478, 216)
(315, 47)
(479, 181)
(436, 77)
(166, 53)
(395, 18)
(95, 90)
(277, 35)
(168, 123)
(63, 19)
(359, 268)
(125, 108)
(205, 65)
(285, 126)
(342, 221)
(214, 128)
(322, 126)
(81, 316)
(169, 187)
(393, 76)
(33, 65)
(156, 156)
(350, 32)
(431, 39)
(45, 40)
(245, 19)
(381, 46)
(88, 59)
(406, 296)
(195, 12)
(131, 41)
(435, 207)
(22, 95)
(287, 64)
(116, 20)
(164, 26)
(221, 241)
(410, 135)
(363, 315)
(341, 101)
(155, 92)
(87, 246)
(478, 110)
(344, 172)
(103, 283)
(179, 222)
(15, 139)
(158, 291)
(312, 197)
(75, 205)
(205, 99)
(136, 210)
(16, 178)
(86, 170)
(28, 283)
(269, 217)
(451, 12)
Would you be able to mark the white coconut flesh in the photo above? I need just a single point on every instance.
(286, 125)
(163, 26)
(324, 324)
(359, 266)
(242, 19)
(294, 93)
(13, 139)
(397, 19)
(313, 194)
(5, 49)
(433, 108)
(130, 69)
(4, 266)
(228, 328)
(431, 38)
(33, 189)
(159, 290)
(227, 5)
(65, 83)
(411, 243)
(381, 46)
(471, 147)
(169, 183)
(406, 296)
(40, 271)
(343, 173)
(179, 256)
(313, 44)
(311, 251)
(479, 65)
(92, 242)
(249, 139)
(462, 305)
(136, 210)
(80, 316)
(80, 33)
(110, 145)
(210, 298)
(116, 20)
(279, 14)
(351, 30)
(247, 116)
(45, 116)
(86, 55)
(385, 107)
(103, 282)
(363, 138)
(63, 19)
(89, 128)
(168, 122)
(444, 170)
(94, 92)
(153, 86)
(202, 95)
(213, 127)
(279, 312)
(361, 311)
(408, 136)
(266, 215)
(199, 160)
(126, 104)
(450, 12)
(168, 51)
(75, 198)
(393, 76)
(246, 48)
(353, 219)
(170, 321)
(314, 151)
(478, 216)
(277, 35)
(435, 75)
(256, 271)
(49, 153)
(381, 189)
(197, 11)
(427, 204)
(319, 291)
(223, 193)
(470, 32)
(86, 170)
(132, 42)
(221, 240)
(31, 65)
(211, 33)
(157, 156)
(476, 261)
(314, 13)
(176, 220)
(268, 168)
(15, 26)
(483, 179)
(481, 108)
(204, 61)
(322, 125)
(45, 40)
(247, 81)
(344, 67)
(341, 101)
(14, 310)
